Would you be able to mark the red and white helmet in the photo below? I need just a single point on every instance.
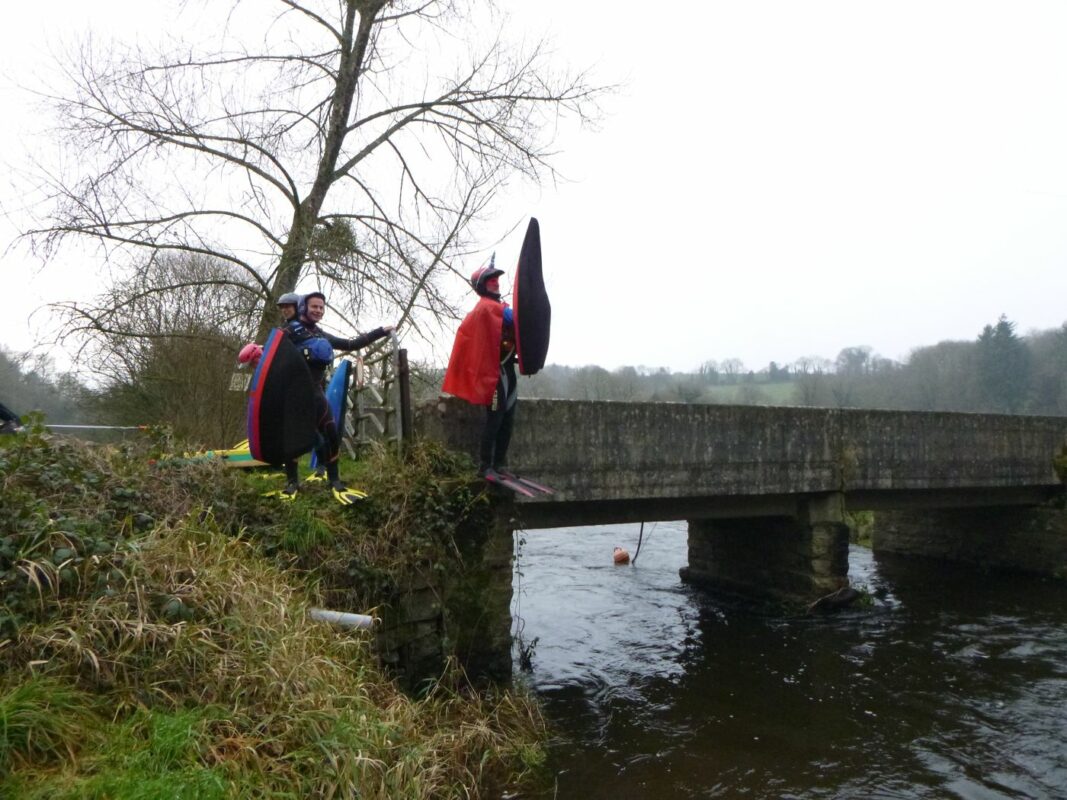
(482, 274)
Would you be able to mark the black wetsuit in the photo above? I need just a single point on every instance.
(301, 332)
(500, 414)
(9, 420)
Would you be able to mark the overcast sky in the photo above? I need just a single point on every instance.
(772, 180)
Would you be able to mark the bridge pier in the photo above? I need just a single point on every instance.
(479, 604)
(1023, 539)
(793, 559)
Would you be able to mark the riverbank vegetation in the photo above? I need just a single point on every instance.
(154, 633)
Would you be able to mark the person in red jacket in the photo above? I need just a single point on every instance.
(481, 369)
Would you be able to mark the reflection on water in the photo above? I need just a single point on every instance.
(953, 685)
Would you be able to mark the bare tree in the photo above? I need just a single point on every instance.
(732, 368)
(163, 346)
(941, 377)
(810, 372)
(854, 361)
(593, 383)
(627, 383)
(344, 144)
(709, 371)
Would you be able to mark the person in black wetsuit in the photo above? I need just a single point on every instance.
(500, 415)
(9, 420)
(318, 348)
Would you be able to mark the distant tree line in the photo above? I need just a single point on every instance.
(28, 384)
(178, 372)
(999, 371)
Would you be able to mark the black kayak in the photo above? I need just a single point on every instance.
(533, 312)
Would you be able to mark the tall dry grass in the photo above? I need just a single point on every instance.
(201, 620)
(178, 652)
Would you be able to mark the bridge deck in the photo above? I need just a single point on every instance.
(614, 461)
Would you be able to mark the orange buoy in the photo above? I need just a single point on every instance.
(621, 556)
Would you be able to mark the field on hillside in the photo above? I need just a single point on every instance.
(767, 394)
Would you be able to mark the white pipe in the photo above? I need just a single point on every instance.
(100, 427)
(342, 618)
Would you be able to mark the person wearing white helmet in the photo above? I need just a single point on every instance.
(481, 369)
(287, 304)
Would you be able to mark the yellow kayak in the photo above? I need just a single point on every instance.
(237, 456)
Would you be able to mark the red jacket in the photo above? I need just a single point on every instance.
(474, 368)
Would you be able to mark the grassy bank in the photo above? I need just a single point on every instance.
(154, 637)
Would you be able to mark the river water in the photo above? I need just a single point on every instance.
(953, 685)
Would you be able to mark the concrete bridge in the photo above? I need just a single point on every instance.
(763, 486)
(765, 489)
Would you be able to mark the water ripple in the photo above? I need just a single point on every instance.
(952, 685)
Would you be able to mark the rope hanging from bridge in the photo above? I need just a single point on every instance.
(640, 538)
